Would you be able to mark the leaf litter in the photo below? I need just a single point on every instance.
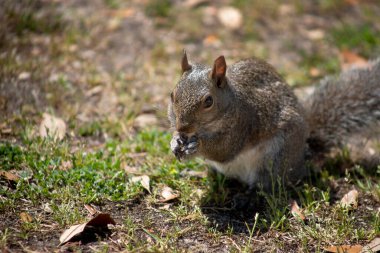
(168, 194)
(52, 127)
(344, 249)
(144, 180)
(25, 217)
(9, 176)
(350, 199)
(87, 231)
(296, 211)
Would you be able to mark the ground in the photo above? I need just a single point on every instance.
(106, 68)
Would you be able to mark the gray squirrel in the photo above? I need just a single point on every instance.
(247, 123)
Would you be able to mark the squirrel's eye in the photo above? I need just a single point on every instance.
(208, 102)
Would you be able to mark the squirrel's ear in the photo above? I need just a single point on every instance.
(185, 64)
(219, 71)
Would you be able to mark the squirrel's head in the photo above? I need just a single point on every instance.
(200, 98)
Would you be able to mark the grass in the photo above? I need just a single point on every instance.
(51, 173)
(363, 38)
(158, 8)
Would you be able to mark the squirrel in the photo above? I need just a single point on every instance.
(248, 124)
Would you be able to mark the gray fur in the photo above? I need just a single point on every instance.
(256, 128)
(343, 106)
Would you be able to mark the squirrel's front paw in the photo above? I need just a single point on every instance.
(183, 147)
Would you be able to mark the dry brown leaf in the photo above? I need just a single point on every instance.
(69, 233)
(6, 131)
(144, 181)
(296, 211)
(24, 76)
(131, 170)
(373, 246)
(123, 13)
(314, 72)
(194, 3)
(145, 120)
(65, 165)
(352, 2)
(350, 199)
(168, 194)
(90, 209)
(100, 221)
(350, 59)
(165, 207)
(211, 40)
(25, 217)
(9, 176)
(193, 173)
(316, 34)
(94, 91)
(52, 126)
(344, 249)
(230, 17)
(190, 217)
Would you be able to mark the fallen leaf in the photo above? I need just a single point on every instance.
(65, 165)
(193, 173)
(94, 91)
(296, 211)
(165, 207)
(350, 60)
(350, 199)
(373, 246)
(144, 181)
(9, 176)
(194, 3)
(24, 76)
(352, 2)
(68, 234)
(314, 72)
(53, 127)
(25, 217)
(144, 120)
(211, 40)
(230, 17)
(100, 222)
(286, 9)
(168, 194)
(316, 34)
(123, 13)
(131, 170)
(91, 209)
(192, 216)
(6, 130)
(344, 249)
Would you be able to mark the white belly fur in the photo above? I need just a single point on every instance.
(245, 166)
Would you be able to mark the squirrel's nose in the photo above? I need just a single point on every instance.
(184, 128)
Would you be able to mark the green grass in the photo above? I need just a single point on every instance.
(98, 176)
(24, 19)
(157, 8)
(363, 38)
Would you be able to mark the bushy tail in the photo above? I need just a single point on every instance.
(344, 106)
